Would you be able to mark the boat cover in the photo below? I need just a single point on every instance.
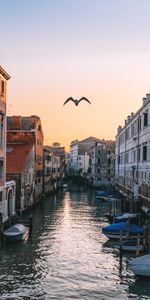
(18, 228)
(140, 265)
(125, 216)
(101, 194)
(116, 227)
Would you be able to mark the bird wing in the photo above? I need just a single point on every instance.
(69, 99)
(84, 98)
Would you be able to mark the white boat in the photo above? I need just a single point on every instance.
(140, 266)
(18, 232)
(125, 216)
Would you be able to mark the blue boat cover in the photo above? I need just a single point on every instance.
(102, 194)
(116, 227)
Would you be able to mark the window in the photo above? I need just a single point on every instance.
(134, 156)
(1, 197)
(132, 130)
(39, 173)
(48, 170)
(2, 87)
(1, 129)
(126, 157)
(108, 161)
(139, 124)
(39, 128)
(145, 119)
(98, 171)
(1, 169)
(138, 154)
(145, 153)
(127, 133)
(108, 171)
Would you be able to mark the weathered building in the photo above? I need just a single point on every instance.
(132, 170)
(7, 190)
(102, 164)
(54, 159)
(25, 158)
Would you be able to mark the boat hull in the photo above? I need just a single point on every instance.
(140, 266)
(130, 245)
(16, 238)
(116, 236)
(18, 232)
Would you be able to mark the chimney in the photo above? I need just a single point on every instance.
(148, 95)
(125, 122)
(16, 122)
(132, 114)
(144, 100)
(119, 129)
(147, 98)
(129, 117)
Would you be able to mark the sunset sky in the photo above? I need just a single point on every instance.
(54, 49)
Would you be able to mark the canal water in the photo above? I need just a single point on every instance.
(67, 256)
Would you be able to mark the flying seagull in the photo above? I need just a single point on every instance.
(76, 102)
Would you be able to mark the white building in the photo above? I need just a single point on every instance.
(79, 155)
(132, 169)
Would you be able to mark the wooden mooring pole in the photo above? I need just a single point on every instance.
(120, 261)
(1, 231)
(138, 245)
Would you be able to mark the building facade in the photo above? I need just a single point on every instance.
(102, 164)
(79, 156)
(25, 158)
(54, 166)
(132, 169)
(7, 190)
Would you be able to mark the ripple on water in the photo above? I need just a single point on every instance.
(67, 256)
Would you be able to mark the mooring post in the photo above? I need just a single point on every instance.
(30, 224)
(120, 261)
(110, 208)
(1, 231)
(138, 245)
(144, 239)
(127, 230)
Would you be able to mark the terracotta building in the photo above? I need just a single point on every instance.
(7, 190)
(25, 158)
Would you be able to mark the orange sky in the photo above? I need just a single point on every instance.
(76, 48)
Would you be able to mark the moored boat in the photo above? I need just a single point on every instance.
(101, 194)
(125, 216)
(113, 231)
(140, 266)
(131, 245)
(17, 232)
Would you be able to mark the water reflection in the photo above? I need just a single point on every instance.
(67, 256)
